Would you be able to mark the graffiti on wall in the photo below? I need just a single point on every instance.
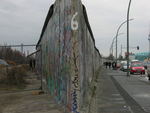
(75, 87)
(56, 53)
(68, 55)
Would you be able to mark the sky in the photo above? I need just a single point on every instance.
(21, 21)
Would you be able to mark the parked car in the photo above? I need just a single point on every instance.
(124, 66)
(134, 61)
(118, 65)
(121, 64)
(137, 68)
(145, 63)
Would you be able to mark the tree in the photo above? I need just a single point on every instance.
(111, 57)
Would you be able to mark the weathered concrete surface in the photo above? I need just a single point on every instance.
(90, 102)
(25, 102)
(68, 53)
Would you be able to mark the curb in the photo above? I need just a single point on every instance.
(90, 100)
(140, 79)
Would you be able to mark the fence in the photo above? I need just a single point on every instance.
(18, 69)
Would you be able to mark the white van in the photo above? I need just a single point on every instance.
(134, 61)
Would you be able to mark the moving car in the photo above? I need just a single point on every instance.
(137, 68)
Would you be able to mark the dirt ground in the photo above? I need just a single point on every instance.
(25, 102)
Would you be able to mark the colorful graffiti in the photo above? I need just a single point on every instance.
(75, 103)
(69, 58)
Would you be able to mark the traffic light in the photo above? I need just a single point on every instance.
(137, 47)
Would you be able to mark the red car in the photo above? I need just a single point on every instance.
(137, 68)
(118, 65)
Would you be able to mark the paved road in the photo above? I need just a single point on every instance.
(118, 93)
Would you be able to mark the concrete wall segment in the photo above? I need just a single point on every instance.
(75, 71)
(69, 56)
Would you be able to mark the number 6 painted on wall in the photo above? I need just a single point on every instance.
(74, 24)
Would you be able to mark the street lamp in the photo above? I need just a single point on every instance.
(116, 37)
(111, 47)
(121, 49)
(128, 38)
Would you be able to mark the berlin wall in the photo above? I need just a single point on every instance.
(69, 56)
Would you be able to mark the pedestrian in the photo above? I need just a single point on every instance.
(109, 65)
(149, 77)
(113, 64)
(30, 64)
(106, 64)
(34, 63)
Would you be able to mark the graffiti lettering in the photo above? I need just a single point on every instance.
(75, 59)
(75, 82)
(74, 24)
(76, 70)
(75, 103)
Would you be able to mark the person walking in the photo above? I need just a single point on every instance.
(109, 65)
(106, 64)
(114, 65)
(30, 64)
(34, 63)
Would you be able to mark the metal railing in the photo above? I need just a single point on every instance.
(18, 69)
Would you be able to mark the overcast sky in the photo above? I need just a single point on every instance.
(21, 21)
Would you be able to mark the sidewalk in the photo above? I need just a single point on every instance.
(118, 93)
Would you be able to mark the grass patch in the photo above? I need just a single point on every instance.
(96, 80)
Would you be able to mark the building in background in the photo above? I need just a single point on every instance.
(139, 56)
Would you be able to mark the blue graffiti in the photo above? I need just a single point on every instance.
(74, 106)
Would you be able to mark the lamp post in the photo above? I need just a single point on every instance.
(121, 49)
(116, 37)
(121, 52)
(128, 39)
(111, 47)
